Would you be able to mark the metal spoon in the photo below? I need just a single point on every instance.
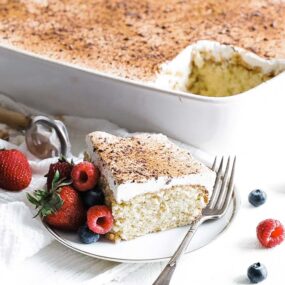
(44, 136)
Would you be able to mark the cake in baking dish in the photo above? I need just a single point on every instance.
(149, 183)
(133, 39)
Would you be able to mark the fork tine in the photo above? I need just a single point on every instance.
(223, 190)
(214, 164)
(230, 188)
(215, 190)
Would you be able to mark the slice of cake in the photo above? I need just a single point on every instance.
(149, 183)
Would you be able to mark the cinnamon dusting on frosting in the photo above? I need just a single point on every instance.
(133, 38)
(143, 157)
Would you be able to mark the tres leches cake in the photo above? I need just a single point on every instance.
(150, 184)
(154, 41)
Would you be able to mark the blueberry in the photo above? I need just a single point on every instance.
(93, 197)
(257, 197)
(257, 272)
(87, 236)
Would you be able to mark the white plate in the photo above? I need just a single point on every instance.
(152, 247)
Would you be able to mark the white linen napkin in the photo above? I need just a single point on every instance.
(17, 227)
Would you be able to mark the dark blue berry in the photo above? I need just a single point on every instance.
(93, 197)
(87, 236)
(257, 272)
(257, 197)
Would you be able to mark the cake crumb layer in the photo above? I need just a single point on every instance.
(155, 212)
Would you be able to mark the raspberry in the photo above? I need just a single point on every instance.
(270, 233)
(99, 219)
(84, 176)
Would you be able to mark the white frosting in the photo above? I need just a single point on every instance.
(175, 73)
(128, 190)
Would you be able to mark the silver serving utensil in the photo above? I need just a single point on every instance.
(47, 138)
(216, 208)
(44, 136)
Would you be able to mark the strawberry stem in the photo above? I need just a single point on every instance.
(49, 201)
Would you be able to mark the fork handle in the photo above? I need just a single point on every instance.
(166, 275)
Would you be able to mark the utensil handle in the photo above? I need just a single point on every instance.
(14, 119)
(166, 275)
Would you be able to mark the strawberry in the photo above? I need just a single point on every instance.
(15, 171)
(71, 215)
(270, 233)
(62, 166)
(61, 206)
(84, 176)
(99, 219)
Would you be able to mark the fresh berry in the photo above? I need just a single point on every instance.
(256, 272)
(270, 233)
(84, 176)
(257, 197)
(93, 197)
(63, 167)
(87, 236)
(99, 219)
(61, 206)
(15, 171)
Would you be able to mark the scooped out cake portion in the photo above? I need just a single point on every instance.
(149, 183)
(224, 77)
(212, 69)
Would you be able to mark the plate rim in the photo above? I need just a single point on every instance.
(236, 207)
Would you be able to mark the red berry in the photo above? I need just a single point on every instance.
(63, 167)
(15, 171)
(270, 233)
(71, 215)
(84, 176)
(99, 219)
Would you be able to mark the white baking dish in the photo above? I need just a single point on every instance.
(230, 124)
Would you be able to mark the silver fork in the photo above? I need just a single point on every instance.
(216, 208)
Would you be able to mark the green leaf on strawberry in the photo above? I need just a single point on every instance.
(55, 179)
(49, 201)
(64, 168)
